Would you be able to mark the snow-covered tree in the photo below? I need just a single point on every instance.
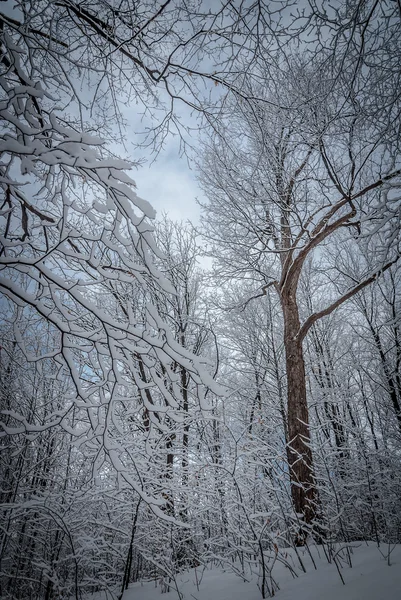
(281, 185)
(80, 363)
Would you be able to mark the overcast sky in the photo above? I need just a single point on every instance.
(165, 180)
(169, 185)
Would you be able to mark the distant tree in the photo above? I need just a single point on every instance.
(75, 236)
(378, 322)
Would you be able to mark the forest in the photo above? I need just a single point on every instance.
(176, 395)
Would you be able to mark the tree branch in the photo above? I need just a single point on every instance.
(263, 293)
(12, 22)
(293, 272)
(103, 29)
(322, 230)
(376, 184)
(329, 309)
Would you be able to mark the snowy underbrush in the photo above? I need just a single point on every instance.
(358, 571)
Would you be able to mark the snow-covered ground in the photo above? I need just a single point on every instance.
(370, 578)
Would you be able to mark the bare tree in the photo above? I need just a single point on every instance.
(74, 233)
(282, 184)
(378, 306)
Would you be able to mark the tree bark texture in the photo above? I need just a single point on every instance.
(299, 453)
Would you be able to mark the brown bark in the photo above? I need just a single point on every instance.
(299, 453)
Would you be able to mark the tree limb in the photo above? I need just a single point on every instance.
(329, 309)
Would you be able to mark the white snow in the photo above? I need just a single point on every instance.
(370, 578)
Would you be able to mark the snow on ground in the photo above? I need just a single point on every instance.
(371, 578)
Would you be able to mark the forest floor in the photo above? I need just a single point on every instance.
(375, 575)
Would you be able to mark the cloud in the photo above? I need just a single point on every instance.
(170, 186)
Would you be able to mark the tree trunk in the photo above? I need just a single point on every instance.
(299, 453)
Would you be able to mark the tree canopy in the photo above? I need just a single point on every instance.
(156, 416)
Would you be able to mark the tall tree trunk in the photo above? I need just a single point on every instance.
(393, 389)
(185, 435)
(299, 453)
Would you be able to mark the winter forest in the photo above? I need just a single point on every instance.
(177, 396)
